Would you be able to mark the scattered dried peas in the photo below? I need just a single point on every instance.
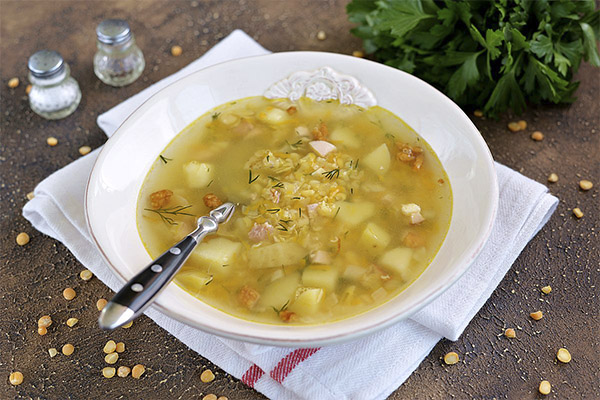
(584, 184)
(510, 333)
(111, 358)
(545, 387)
(108, 372)
(22, 239)
(546, 289)
(30, 195)
(15, 378)
(110, 347)
(358, 53)
(42, 330)
(563, 355)
(120, 347)
(137, 371)
(522, 124)
(86, 275)
(578, 213)
(553, 178)
(83, 150)
(69, 293)
(52, 141)
(207, 376)
(123, 371)
(52, 351)
(68, 349)
(28, 89)
(451, 358)
(176, 51)
(71, 322)
(478, 113)
(222, 398)
(101, 303)
(127, 325)
(210, 396)
(536, 315)
(514, 127)
(45, 321)
(321, 35)
(13, 83)
(537, 136)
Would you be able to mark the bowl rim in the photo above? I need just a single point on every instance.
(464, 262)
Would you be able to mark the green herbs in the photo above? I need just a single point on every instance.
(251, 180)
(295, 145)
(283, 308)
(164, 159)
(215, 115)
(333, 174)
(492, 54)
(165, 213)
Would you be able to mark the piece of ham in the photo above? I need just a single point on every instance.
(260, 232)
(322, 147)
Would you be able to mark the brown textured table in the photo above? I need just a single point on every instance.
(565, 254)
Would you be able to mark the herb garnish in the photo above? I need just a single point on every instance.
(334, 173)
(273, 210)
(282, 227)
(337, 212)
(209, 280)
(283, 308)
(295, 145)
(165, 159)
(215, 115)
(278, 185)
(250, 179)
(210, 183)
(164, 212)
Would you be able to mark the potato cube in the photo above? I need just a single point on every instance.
(321, 276)
(354, 272)
(218, 253)
(307, 301)
(374, 238)
(398, 261)
(198, 174)
(354, 213)
(280, 291)
(276, 255)
(345, 137)
(378, 160)
(193, 281)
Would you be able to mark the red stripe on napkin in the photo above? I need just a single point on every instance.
(289, 362)
(252, 375)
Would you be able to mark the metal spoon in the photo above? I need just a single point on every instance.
(140, 291)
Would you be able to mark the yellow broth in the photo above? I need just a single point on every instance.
(317, 236)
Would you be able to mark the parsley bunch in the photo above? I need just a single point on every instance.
(491, 54)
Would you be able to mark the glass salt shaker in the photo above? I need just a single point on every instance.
(54, 93)
(118, 61)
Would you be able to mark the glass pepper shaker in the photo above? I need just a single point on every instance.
(118, 61)
(54, 93)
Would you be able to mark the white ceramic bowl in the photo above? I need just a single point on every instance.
(122, 165)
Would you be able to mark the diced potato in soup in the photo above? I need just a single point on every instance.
(340, 208)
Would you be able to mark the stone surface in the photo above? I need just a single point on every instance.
(565, 254)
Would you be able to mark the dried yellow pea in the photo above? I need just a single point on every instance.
(69, 293)
(536, 315)
(545, 387)
(110, 347)
(22, 239)
(108, 372)
(176, 51)
(451, 358)
(207, 376)
(68, 349)
(546, 289)
(510, 333)
(15, 378)
(137, 371)
(563, 355)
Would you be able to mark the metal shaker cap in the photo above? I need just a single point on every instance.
(46, 64)
(113, 31)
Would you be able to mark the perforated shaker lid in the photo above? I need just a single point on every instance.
(46, 63)
(113, 31)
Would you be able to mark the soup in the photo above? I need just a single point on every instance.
(339, 208)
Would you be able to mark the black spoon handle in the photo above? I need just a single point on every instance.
(140, 291)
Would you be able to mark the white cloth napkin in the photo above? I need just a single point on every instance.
(368, 368)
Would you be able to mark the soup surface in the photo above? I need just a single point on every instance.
(339, 208)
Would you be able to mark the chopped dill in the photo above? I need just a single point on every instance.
(164, 213)
(331, 175)
(210, 183)
(165, 159)
(295, 145)
(356, 163)
(273, 178)
(283, 308)
(337, 212)
(273, 210)
(390, 136)
(209, 280)
(351, 190)
(300, 212)
(296, 198)
(285, 221)
(215, 115)
(250, 179)
(282, 227)
(278, 185)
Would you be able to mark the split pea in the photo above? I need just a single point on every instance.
(536, 315)
(111, 358)
(52, 141)
(120, 347)
(110, 347)
(222, 398)
(584, 184)
(563, 355)
(545, 387)
(108, 372)
(358, 53)
(510, 333)
(71, 322)
(128, 325)
(68, 349)
(28, 89)
(42, 330)
(578, 213)
(86, 275)
(451, 358)
(15, 378)
(176, 51)
(207, 376)
(52, 351)
(30, 196)
(553, 178)
(478, 113)
(537, 136)
(22, 239)
(514, 126)
(13, 83)
(546, 289)
(210, 396)
(321, 35)
(83, 150)
(69, 293)
(123, 371)
(138, 371)
(522, 124)
(100, 304)
(45, 321)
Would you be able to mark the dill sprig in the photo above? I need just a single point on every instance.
(273, 210)
(215, 115)
(209, 280)
(295, 145)
(283, 307)
(282, 227)
(164, 213)
(250, 179)
(333, 174)
(278, 185)
(164, 159)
